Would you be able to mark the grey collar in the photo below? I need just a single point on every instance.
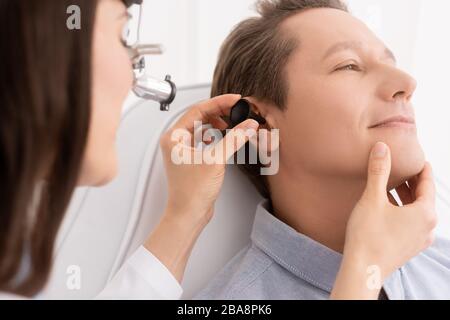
(301, 255)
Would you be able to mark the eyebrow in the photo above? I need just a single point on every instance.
(353, 45)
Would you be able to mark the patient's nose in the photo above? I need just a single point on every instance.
(397, 85)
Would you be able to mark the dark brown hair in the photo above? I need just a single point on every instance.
(253, 57)
(45, 103)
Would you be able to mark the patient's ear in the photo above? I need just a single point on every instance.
(266, 111)
(268, 138)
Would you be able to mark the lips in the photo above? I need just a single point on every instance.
(397, 121)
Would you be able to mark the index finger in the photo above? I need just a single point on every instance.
(214, 107)
(425, 188)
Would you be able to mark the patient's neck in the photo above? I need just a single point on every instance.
(316, 206)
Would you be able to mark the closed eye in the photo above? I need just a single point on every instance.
(349, 67)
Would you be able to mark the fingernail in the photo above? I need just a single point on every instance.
(380, 150)
(252, 124)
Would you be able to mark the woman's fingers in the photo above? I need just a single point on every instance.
(235, 139)
(218, 123)
(425, 191)
(379, 169)
(412, 183)
(419, 188)
(206, 110)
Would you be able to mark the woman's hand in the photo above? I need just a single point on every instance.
(381, 236)
(194, 188)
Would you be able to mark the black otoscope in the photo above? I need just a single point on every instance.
(242, 111)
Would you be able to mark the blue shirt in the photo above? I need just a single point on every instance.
(280, 263)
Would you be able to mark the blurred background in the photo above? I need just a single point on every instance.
(192, 32)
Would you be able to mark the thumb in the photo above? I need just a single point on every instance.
(235, 139)
(379, 170)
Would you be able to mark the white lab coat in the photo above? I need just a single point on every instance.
(142, 277)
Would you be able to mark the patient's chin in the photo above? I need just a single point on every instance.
(406, 163)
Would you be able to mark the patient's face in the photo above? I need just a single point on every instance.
(337, 96)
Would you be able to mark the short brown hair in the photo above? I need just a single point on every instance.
(252, 60)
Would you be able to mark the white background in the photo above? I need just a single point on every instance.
(416, 30)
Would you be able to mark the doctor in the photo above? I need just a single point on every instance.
(61, 93)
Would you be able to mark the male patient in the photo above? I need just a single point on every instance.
(331, 86)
